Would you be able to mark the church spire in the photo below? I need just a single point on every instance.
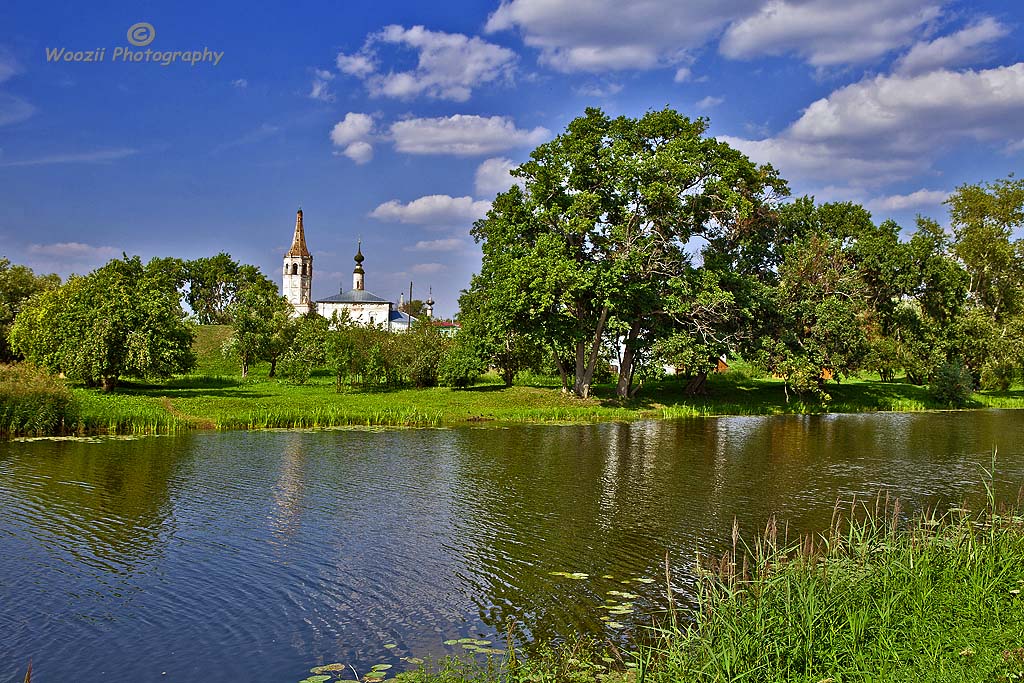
(299, 240)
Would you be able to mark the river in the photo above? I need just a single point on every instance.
(257, 555)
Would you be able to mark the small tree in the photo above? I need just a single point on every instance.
(952, 384)
(258, 312)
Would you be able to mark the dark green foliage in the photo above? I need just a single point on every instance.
(952, 384)
(123, 319)
(17, 285)
(213, 283)
(34, 402)
(462, 365)
(261, 324)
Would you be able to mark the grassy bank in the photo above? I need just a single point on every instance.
(216, 397)
(872, 599)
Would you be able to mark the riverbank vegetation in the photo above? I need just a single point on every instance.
(628, 246)
(871, 599)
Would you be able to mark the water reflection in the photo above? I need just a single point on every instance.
(260, 554)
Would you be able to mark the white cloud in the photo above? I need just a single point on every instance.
(96, 157)
(358, 65)
(492, 176)
(709, 102)
(240, 83)
(829, 32)
(957, 49)
(8, 66)
(608, 35)
(449, 65)
(353, 127)
(428, 268)
(73, 253)
(14, 109)
(914, 200)
(892, 126)
(321, 89)
(447, 244)
(354, 133)
(435, 209)
(359, 152)
(463, 135)
(598, 89)
(919, 111)
(808, 160)
(683, 74)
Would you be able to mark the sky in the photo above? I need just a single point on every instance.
(397, 122)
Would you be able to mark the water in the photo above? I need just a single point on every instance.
(256, 555)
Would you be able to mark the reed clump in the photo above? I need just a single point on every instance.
(34, 402)
(871, 599)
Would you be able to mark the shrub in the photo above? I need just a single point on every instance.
(461, 366)
(952, 384)
(33, 402)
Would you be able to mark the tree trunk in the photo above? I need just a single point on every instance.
(245, 368)
(562, 373)
(273, 367)
(697, 386)
(626, 364)
(109, 383)
(585, 366)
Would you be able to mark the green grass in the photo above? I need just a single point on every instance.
(216, 397)
(937, 600)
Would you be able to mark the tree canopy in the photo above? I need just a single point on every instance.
(123, 319)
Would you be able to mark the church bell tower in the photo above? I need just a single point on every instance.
(297, 280)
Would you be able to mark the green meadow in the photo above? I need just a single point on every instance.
(215, 396)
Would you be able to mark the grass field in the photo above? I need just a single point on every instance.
(216, 397)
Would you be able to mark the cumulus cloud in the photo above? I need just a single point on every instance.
(914, 200)
(463, 135)
(829, 32)
(353, 134)
(358, 65)
(492, 176)
(435, 209)
(957, 49)
(447, 244)
(321, 89)
(891, 126)
(449, 65)
(608, 35)
(709, 102)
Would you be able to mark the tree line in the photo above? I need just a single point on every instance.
(643, 241)
(649, 241)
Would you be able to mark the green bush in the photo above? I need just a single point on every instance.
(461, 366)
(952, 384)
(33, 402)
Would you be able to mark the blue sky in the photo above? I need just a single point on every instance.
(397, 122)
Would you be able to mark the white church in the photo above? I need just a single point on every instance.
(362, 307)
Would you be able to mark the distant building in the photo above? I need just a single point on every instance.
(362, 307)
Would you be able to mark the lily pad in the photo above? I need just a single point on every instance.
(615, 624)
(380, 667)
(390, 646)
(572, 575)
(315, 679)
(412, 660)
(451, 642)
(327, 668)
